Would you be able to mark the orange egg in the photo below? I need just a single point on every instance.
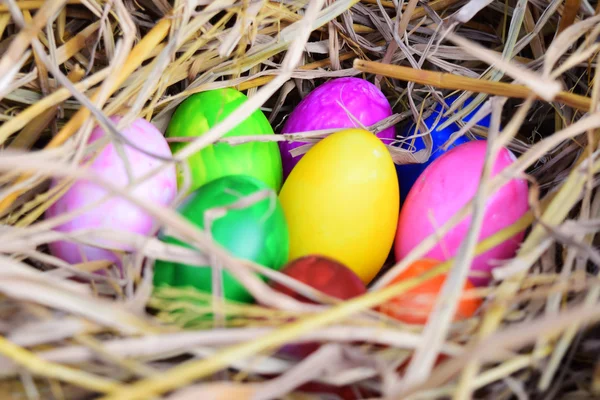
(415, 305)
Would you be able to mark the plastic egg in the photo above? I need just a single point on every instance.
(408, 173)
(116, 213)
(342, 201)
(339, 103)
(415, 305)
(257, 232)
(326, 275)
(198, 114)
(443, 189)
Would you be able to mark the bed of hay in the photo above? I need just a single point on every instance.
(67, 64)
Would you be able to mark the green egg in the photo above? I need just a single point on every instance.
(257, 232)
(198, 114)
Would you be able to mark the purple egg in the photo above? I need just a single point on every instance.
(329, 106)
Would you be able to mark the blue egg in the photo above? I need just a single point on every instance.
(408, 173)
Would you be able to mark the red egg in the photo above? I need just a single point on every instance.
(326, 275)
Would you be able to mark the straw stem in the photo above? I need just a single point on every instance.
(445, 80)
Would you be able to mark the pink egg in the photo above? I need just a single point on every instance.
(329, 106)
(116, 213)
(443, 189)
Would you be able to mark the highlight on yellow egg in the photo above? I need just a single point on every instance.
(342, 201)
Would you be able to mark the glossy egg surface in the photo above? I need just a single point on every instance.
(339, 103)
(324, 274)
(415, 305)
(116, 213)
(443, 189)
(198, 114)
(257, 232)
(342, 201)
(408, 173)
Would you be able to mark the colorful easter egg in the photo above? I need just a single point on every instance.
(324, 274)
(408, 173)
(257, 232)
(342, 201)
(327, 276)
(339, 103)
(415, 305)
(198, 114)
(448, 184)
(116, 213)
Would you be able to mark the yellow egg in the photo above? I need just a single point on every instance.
(342, 200)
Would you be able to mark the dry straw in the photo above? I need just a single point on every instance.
(67, 65)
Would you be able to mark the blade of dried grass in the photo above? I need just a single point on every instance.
(562, 346)
(55, 371)
(44, 332)
(172, 75)
(76, 43)
(327, 357)
(21, 42)
(33, 4)
(420, 12)
(468, 11)
(14, 68)
(67, 270)
(568, 15)
(157, 345)
(491, 375)
(116, 359)
(537, 42)
(32, 131)
(4, 20)
(544, 87)
(564, 41)
(57, 97)
(450, 81)
(19, 281)
(407, 16)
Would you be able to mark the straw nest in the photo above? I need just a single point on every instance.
(69, 64)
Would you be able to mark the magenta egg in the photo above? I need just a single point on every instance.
(445, 186)
(115, 214)
(339, 103)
